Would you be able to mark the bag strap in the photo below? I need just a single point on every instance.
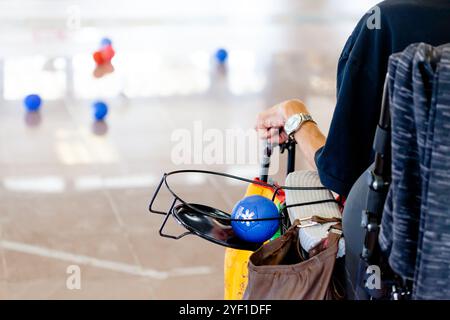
(332, 239)
(335, 229)
(313, 220)
(322, 220)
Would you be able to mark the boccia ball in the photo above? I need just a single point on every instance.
(255, 207)
(32, 102)
(221, 55)
(98, 57)
(105, 42)
(104, 55)
(100, 110)
(107, 53)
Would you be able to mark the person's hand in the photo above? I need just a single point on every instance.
(270, 123)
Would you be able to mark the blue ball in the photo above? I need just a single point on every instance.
(100, 110)
(105, 42)
(255, 207)
(32, 102)
(221, 55)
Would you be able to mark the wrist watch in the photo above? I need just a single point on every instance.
(294, 122)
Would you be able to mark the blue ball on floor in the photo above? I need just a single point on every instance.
(255, 207)
(32, 102)
(100, 110)
(221, 55)
(105, 42)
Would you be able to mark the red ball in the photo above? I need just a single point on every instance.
(98, 57)
(108, 53)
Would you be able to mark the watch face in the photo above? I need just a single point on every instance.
(292, 124)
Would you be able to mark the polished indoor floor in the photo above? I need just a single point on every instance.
(75, 192)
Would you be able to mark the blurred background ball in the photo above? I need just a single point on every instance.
(100, 110)
(98, 57)
(105, 42)
(32, 102)
(221, 55)
(255, 207)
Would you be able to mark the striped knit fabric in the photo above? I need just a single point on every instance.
(416, 221)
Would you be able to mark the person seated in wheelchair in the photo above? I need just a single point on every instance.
(345, 154)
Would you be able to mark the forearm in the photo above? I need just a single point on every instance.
(309, 139)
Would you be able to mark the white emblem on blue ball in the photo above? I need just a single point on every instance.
(246, 214)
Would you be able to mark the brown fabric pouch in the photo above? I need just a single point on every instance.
(278, 270)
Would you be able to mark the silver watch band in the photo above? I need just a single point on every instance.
(296, 121)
